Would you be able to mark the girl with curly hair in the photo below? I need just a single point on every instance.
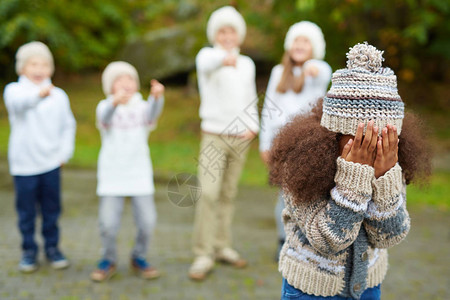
(344, 169)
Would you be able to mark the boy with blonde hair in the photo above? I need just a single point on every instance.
(41, 141)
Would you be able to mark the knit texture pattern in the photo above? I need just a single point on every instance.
(362, 92)
(337, 245)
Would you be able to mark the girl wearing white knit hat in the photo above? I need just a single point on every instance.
(294, 87)
(229, 116)
(124, 165)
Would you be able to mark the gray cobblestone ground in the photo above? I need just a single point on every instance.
(419, 267)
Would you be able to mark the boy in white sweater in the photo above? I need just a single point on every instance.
(230, 121)
(41, 141)
(124, 166)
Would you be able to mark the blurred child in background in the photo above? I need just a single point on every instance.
(229, 121)
(41, 141)
(294, 87)
(124, 165)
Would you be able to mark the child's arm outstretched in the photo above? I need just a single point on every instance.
(155, 101)
(210, 59)
(18, 100)
(387, 221)
(320, 72)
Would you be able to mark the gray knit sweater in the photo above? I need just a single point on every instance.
(337, 246)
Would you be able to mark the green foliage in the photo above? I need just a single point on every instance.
(88, 34)
(80, 33)
(413, 33)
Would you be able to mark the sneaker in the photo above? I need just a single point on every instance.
(28, 263)
(230, 256)
(200, 268)
(105, 270)
(57, 260)
(143, 268)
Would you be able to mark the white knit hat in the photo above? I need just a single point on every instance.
(225, 16)
(29, 50)
(312, 32)
(114, 70)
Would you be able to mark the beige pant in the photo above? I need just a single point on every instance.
(219, 168)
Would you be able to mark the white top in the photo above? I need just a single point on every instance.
(280, 108)
(42, 129)
(228, 94)
(124, 165)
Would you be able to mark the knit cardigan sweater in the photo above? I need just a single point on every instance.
(337, 245)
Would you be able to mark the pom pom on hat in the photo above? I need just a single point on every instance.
(365, 56)
(362, 92)
(225, 16)
(32, 49)
(310, 31)
(114, 70)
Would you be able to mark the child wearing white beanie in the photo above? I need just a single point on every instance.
(42, 140)
(125, 119)
(294, 87)
(229, 122)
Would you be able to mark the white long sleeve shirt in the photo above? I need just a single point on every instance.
(228, 94)
(280, 108)
(124, 164)
(42, 129)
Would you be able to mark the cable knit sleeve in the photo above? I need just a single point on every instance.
(332, 225)
(387, 221)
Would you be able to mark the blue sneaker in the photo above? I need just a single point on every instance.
(143, 268)
(28, 263)
(57, 259)
(105, 270)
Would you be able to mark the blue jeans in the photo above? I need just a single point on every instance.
(110, 214)
(34, 194)
(288, 292)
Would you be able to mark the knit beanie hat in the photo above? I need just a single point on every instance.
(310, 31)
(114, 70)
(225, 16)
(29, 50)
(362, 92)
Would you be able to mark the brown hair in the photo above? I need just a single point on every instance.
(303, 156)
(288, 80)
